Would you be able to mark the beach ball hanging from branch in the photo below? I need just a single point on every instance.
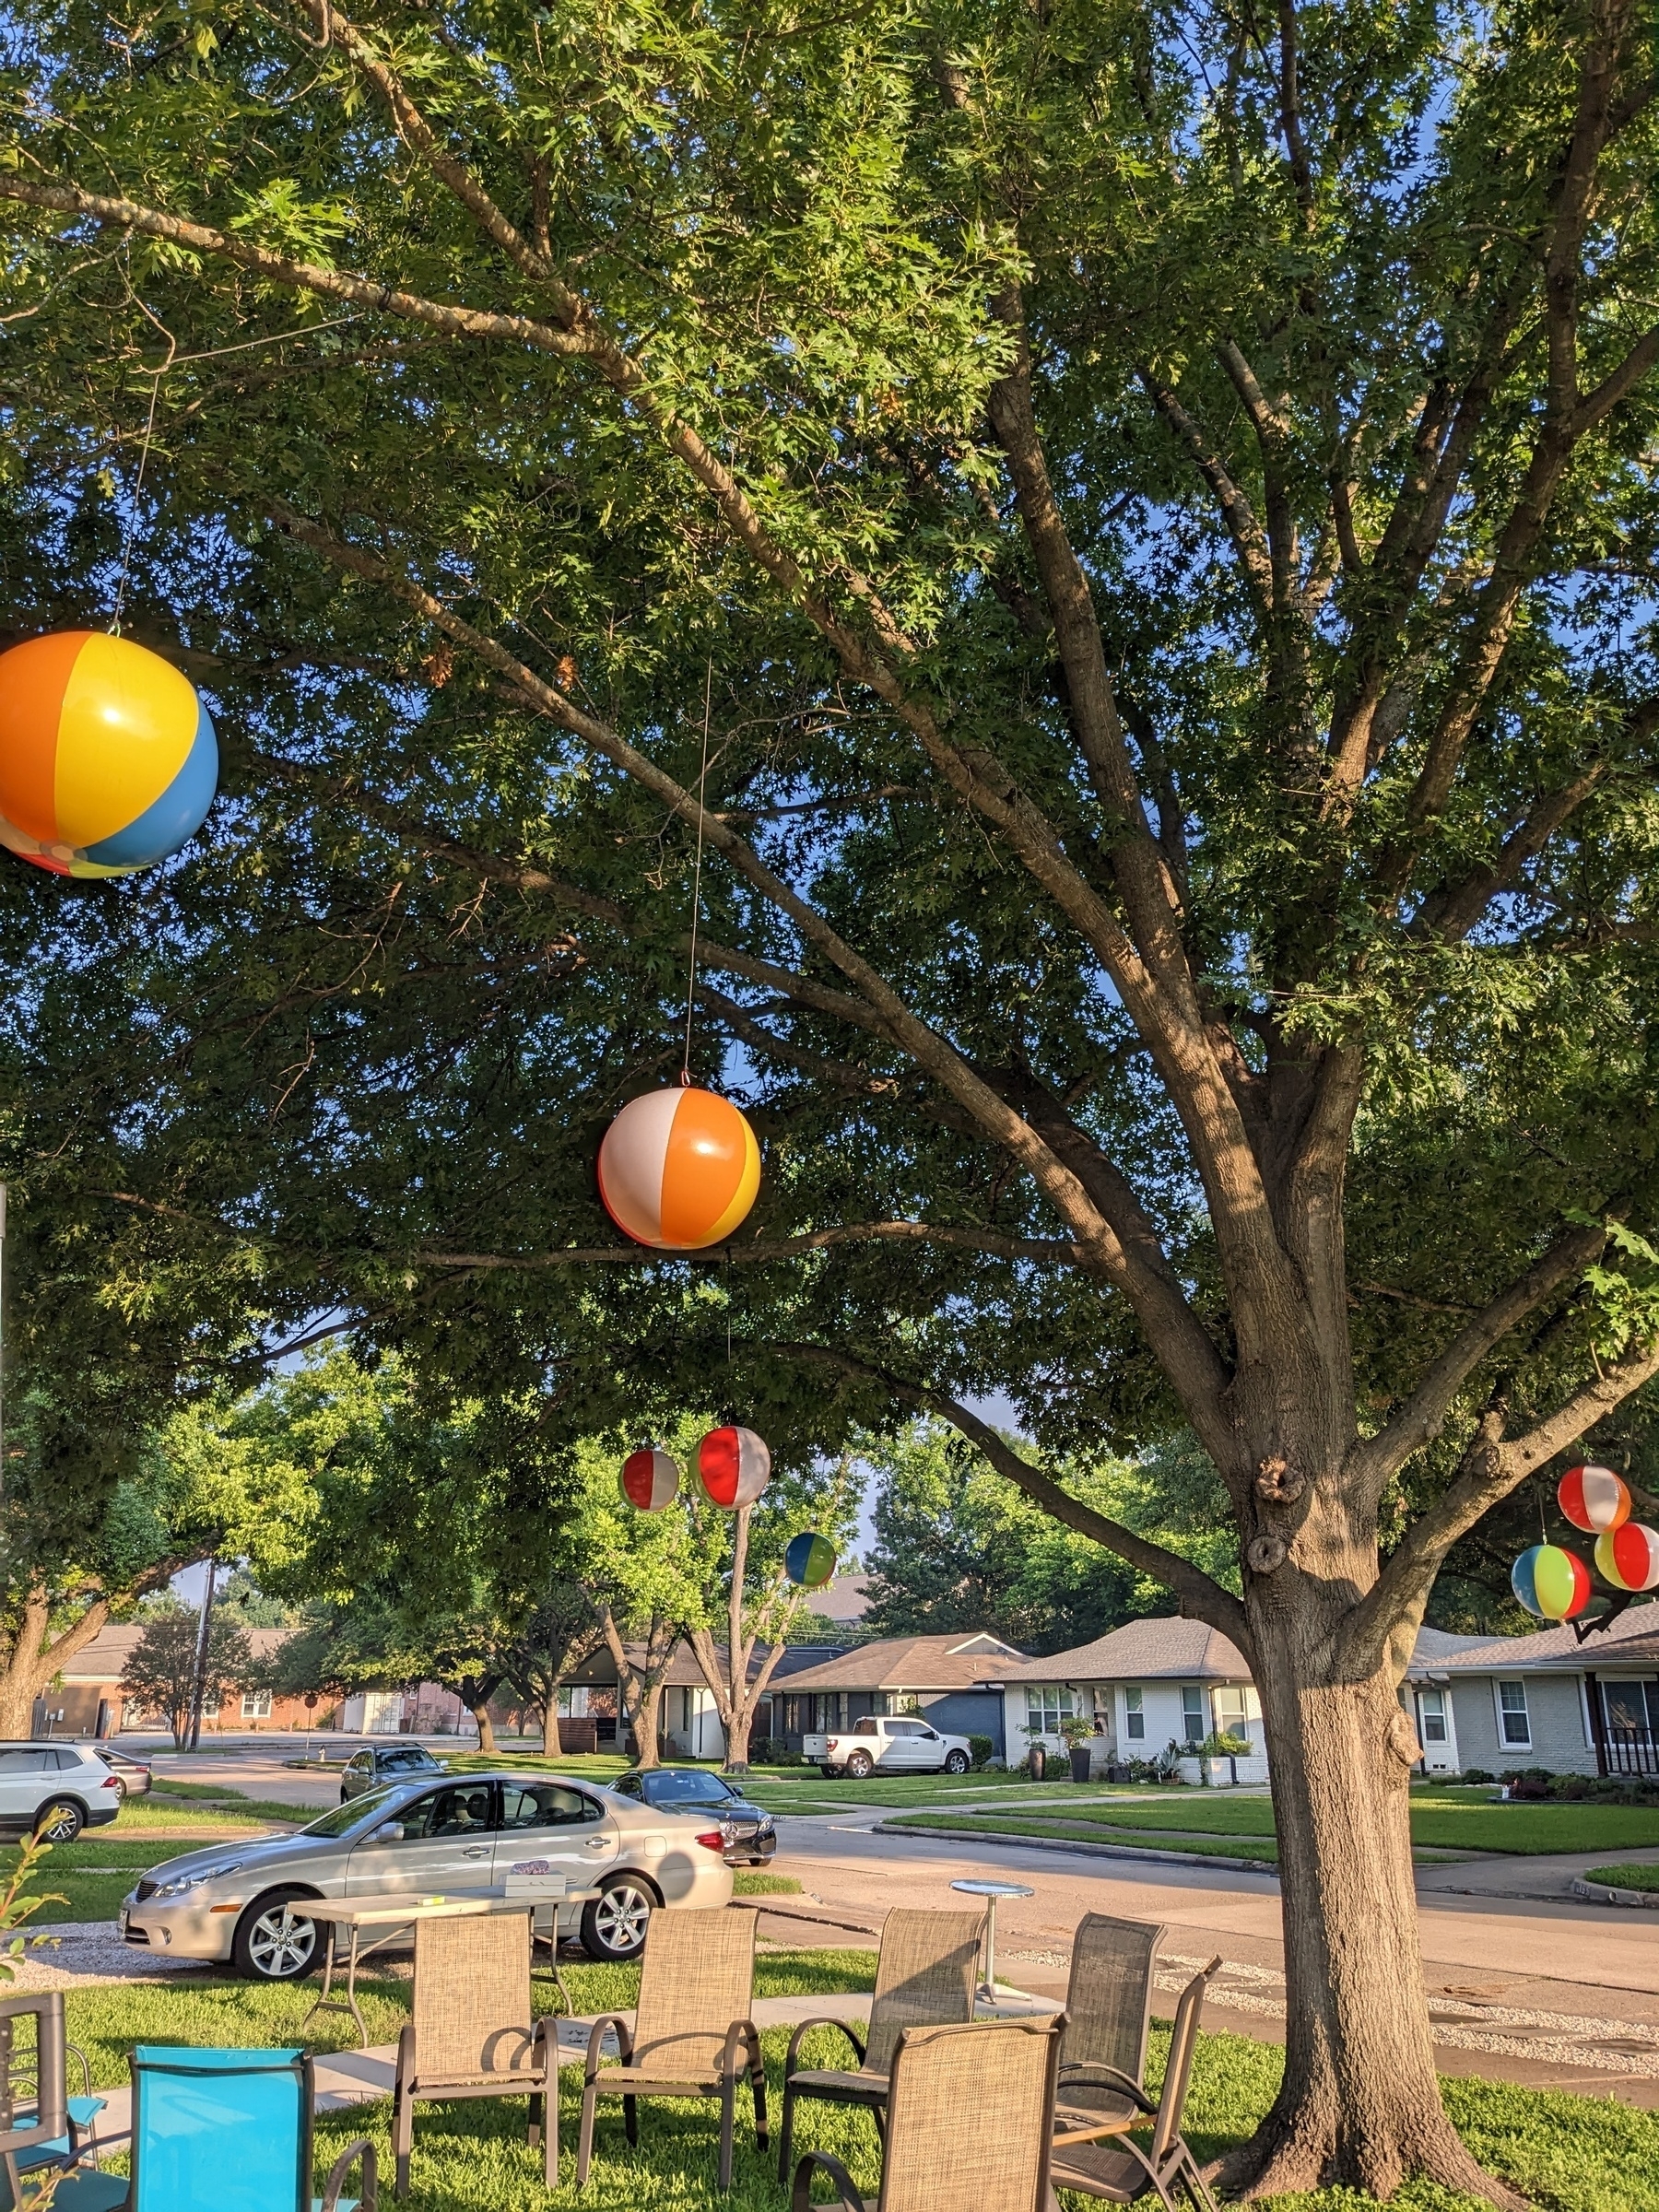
(650, 1480)
(734, 1466)
(678, 1169)
(107, 760)
(1594, 1498)
(1550, 1581)
(809, 1559)
(1628, 1556)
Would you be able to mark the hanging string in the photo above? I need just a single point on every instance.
(130, 530)
(703, 778)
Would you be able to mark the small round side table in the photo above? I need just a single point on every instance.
(991, 1891)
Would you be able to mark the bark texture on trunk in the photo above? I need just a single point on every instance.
(551, 1747)
(737, 1695)
(639, 1683)
(480, 1713)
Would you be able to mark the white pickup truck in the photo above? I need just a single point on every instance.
(895, 1746)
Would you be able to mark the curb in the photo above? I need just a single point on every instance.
(1088, 1851)
(1599, 1893)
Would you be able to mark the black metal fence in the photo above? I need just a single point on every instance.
(1630, 1751)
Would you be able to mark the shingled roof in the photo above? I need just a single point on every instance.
(941, 1663)
(1142, 1650)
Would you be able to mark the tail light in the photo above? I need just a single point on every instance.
(712, 1840)
(112, 1784)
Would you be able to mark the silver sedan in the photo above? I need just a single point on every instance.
(245, 1903)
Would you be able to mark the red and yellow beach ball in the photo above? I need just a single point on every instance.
(734, 1466)
(1550, 1581)
(1594, 1498)
(1628, 1556)
(678, 1169)
(107, 760)
(650, 1480)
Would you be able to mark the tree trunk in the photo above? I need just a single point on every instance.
(648, 1728)
(640, 1691)
(480, 1713)
(32, 1660)
(1360, 2105)
(551, 1747)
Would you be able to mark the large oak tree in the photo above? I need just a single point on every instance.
(1138, 525)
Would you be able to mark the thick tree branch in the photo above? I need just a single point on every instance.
(1200, 1597)
(1491, 1468)
(1250, 543)
(1375, 1459)
(1450, 914)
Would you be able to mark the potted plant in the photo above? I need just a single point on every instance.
(1036, 1758)
(1217, 1753)
(1077, 1732)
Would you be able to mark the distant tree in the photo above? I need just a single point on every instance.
(561, 1630)
(958, 1548)
(161, 1669)
(250, 1606)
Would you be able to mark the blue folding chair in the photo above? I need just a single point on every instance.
(41, 2126)
(221, 2131)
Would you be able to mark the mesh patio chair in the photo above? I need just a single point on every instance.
(1108, 2013)
(924, 1977)
(1120, 2171)
(969, 2113)
(221, 2131)
(42, 2126)
(692, 2034)
(471, 2034)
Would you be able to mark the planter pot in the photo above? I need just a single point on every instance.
(1036, 1760)
(1190, 1771)
(1080, 1761)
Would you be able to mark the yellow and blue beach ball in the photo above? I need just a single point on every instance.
(1551, 1581)
(107, 760)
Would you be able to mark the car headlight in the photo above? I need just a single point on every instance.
(182, 1882)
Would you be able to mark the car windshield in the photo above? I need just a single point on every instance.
(687, 1789)
(410, 1756)
(342, 1819)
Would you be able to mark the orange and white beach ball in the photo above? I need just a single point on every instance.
(678, 1169)
(1594, 1498)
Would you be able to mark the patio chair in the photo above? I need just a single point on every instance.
(471, 2033)
(1108, 2013)
(39, 2131)
(969, 2113)
(221, 2131)
(1120, 2171)
(692, 2034)
(924, 1977)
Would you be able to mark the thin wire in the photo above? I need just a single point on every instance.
(696, 870)
(131, 520)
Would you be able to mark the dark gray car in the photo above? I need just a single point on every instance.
(378, 1764)
(752, 1839)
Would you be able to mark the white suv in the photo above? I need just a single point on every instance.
(56, 1790)
(897, 1746)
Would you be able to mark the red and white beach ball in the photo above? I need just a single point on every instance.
(734, 1466)
(1628, 1557)
(650, 1480)
(1594, 1498)
(678, 1169)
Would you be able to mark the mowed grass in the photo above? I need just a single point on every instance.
(1191, 1822)
(1570, 2154)
(1639, 1877)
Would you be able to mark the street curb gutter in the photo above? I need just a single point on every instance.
(1599, 1893)
(1089, 1851)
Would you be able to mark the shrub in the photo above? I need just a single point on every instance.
(979, 1750)
(1478, 1774)
(770, 1751)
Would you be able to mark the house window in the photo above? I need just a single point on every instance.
(1192, 1713)
(1431, 1713)
(1134, 1714)
(1514, 1723)
(1231, 1716)
(256, 1705)
(1046, 1706)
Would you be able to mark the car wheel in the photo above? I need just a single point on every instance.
(614, 1923)
(956, 1762)
(274, 1942)
(59, 1822)
(860, 1765)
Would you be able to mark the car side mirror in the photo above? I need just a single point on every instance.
(389, 1831)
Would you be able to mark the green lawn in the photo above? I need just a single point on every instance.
(1639, 1877)
(1570, 2154)
(1479, 1824)
(1096, 1832)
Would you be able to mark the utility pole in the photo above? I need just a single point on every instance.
(200, 1689)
